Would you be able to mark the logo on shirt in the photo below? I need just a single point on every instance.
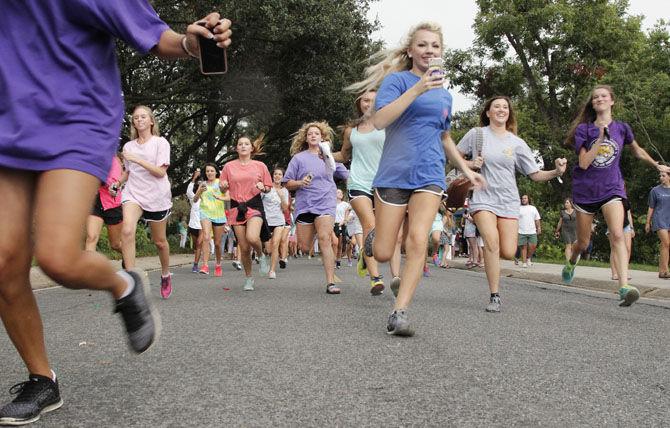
(509, 152)
(607, 153)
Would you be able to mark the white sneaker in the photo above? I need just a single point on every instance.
(327, 155)
(272, 275)
(525, 265)
(530, 263)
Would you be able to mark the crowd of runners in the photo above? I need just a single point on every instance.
(54, 155)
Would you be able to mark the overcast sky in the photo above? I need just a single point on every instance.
(396, 16)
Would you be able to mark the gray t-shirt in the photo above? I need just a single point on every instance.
(502, 157)
(659, 200)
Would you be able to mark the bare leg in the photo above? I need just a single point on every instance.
(93, 229)
(500, 239)
(614, 213)
(158, 235)
(131, 214)
(324, 230)
(664, 237)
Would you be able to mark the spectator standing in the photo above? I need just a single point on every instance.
(530, 227)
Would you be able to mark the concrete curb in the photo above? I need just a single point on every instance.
(39, 280)
(604, 285)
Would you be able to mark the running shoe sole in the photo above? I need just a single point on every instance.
(377, 289)
(631, 297)
(19, 422)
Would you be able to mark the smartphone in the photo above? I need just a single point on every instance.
(606, 133)
(436, 64)
(213, 59)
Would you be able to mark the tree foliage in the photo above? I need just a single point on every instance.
(288, 64)
(548, 55)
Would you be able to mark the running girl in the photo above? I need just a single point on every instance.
(212, 217)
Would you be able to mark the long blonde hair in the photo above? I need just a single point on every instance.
(390, 61)
(155, 130)
(299, 142)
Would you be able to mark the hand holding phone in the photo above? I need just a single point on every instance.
(213, 59)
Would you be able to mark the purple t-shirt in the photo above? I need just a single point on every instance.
(320, 196)
(602, 179)
(61, 105)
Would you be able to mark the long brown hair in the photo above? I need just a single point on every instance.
(510, 125)
(586, 114)
(256, 145)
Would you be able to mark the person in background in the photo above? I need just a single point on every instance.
(194, 225)
(530, 227)
(658, 220)
(567, 227)
(49, 174)
(107, 210)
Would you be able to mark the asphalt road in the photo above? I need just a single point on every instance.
(288, 354)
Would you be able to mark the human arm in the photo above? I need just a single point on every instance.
(558, 227)
(538, 226)
(452, 153)
(344, 155)
(561, 165)
(341, 172)
(283, 197)
(386, 115)
(294, 178)
(174, 45)
(642, 154)
(647, 225)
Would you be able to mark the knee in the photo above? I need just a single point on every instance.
(128, 233)
(415, 244)
(162, 244)
(583, 243)
(506, 253)
(92, 238)
(12, 265)
(115, 245)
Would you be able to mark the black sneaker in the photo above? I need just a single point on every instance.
(37, 395)
(337, 264)
(141, 320)
(282, 264)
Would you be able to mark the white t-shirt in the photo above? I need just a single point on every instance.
(272, 205)
(194, 217)
(527, 216)
(340, 211)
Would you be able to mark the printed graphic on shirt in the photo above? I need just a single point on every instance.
(607, 153)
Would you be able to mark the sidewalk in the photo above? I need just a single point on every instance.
(594, 278)
(39, 280)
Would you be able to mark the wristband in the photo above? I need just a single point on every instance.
(183, 46)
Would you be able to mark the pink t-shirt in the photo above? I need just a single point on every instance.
(149, 192)
(242, 180)
(107, 201)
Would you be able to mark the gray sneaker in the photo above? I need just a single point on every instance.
(494, 304)
(141, 320)
(398, 324)
(249, 284)
(265, 267)
(395, 285)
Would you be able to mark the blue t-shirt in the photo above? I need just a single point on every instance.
(659, 200)
(602, 179)
(61, 105)
(413, 155)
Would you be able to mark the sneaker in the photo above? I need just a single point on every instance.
(195, 268)
(37, 395)
(361, 267)
(350, 263)
(338, 265)
(426, 271)
(265, 267)
(204, 269)
(217, 270)
(516, 261)
(398, 324)
(525, 265)
(369, 240)
(494, 304)
(237, 265)
(628, 295)
(376, 286)
(436, 261)
(327, 155)
(530, 263)
(282, 264)
(249, 284)
(395, 285)
(272, 275)
(569, 271)
(140, 319)
(332, 289)
(166, 286)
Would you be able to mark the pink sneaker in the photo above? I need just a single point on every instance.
(426, 271)
(166, 286)
(204, 270)
(217, 270)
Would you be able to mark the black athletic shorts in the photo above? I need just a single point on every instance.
(353, 194)
(596, 206)
(111, 216)
(308, 218)
(156, 215)
(194, 232)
